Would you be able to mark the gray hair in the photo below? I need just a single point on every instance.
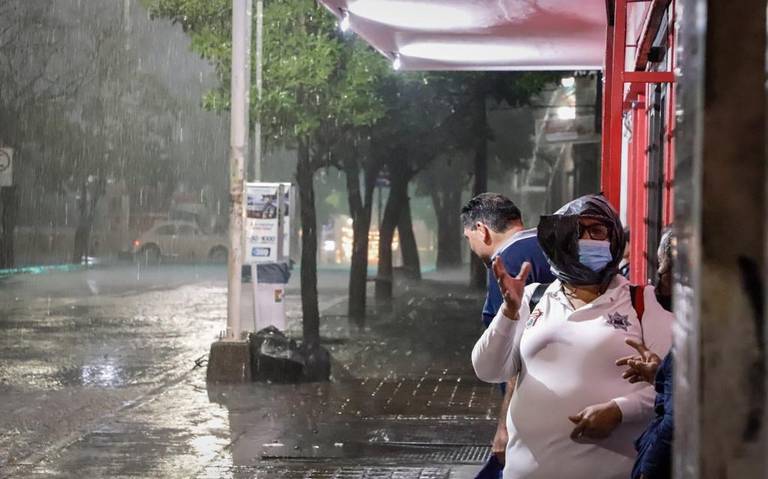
(666, 249)
(494, 210)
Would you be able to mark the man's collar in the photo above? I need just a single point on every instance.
(516, 236)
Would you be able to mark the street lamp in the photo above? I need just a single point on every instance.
(344, 24)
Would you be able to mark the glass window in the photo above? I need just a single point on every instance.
(187, 230)
(166, 230)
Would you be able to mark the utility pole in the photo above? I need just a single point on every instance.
(259, 84)
(229, 360)
(241, 19)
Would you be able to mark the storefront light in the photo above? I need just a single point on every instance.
(566, 112)
(397, 64)
(344, 24)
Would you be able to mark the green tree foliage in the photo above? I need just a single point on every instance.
(467, 134)
(79, 110)
(316, 81)
(318, 85)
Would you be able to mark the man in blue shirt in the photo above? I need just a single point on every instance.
(493, 226)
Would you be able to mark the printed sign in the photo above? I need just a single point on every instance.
(6, 167)
(263, 230)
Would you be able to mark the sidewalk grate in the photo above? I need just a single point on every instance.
(469, 454)
(333, 472)
(408, 453)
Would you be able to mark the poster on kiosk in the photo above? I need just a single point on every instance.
(268, 213)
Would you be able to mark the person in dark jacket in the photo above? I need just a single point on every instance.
(493, 227)
(654, 447)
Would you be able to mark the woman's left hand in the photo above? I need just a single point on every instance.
(596, 422)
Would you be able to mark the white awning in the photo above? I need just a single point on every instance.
(481, 34)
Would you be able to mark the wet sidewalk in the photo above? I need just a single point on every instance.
(403, 403)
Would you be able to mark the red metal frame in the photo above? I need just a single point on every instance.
(626, 92)
(607, 135)
(637, 199)
(669, 167)
(614, 76)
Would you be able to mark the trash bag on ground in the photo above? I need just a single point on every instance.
(275, 357)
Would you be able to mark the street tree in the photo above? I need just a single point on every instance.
(444, 181)
(78, 108)
(409, 138)
(35, 75)
(317, 85)
(470, 94)
(127, 116)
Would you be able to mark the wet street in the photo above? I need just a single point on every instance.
(102, 374)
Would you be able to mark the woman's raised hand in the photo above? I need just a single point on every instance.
(511, 287)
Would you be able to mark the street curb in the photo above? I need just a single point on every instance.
(44, 269)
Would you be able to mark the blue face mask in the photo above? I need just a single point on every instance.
(594, 254)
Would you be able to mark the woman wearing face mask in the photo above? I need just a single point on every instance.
(572, 414)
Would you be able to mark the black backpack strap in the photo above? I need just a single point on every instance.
(538, 293)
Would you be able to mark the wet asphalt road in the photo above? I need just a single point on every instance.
(102, 375)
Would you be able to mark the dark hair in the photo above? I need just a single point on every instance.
(495, 211)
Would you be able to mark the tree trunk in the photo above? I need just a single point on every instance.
(89, 200)
(477, 270)
(360, 209)
(9, 205)
(398, 194)
(447, 206)
(408, 246)
(83, 230)
(309, 302)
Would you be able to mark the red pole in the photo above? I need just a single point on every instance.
(612, 160)
(669, 166)
(606, 86)
(638, 192)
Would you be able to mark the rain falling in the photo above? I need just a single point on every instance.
(358, 299)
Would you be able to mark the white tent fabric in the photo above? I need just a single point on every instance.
(481, 34)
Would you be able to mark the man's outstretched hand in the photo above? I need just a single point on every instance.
(511, 287)
(642, 366)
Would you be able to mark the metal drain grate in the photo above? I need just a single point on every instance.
(406, 453)
(469, 454)
(293, 471)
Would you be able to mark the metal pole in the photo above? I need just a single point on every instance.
(259, 84)
(280, 223)
(241, 18)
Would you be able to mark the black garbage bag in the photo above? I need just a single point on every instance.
(558, 236)
(275, 357)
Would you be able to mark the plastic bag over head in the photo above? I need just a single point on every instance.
(559, 238)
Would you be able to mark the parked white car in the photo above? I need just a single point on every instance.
(179, 240)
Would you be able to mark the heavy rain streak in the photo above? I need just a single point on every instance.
(359, 299)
